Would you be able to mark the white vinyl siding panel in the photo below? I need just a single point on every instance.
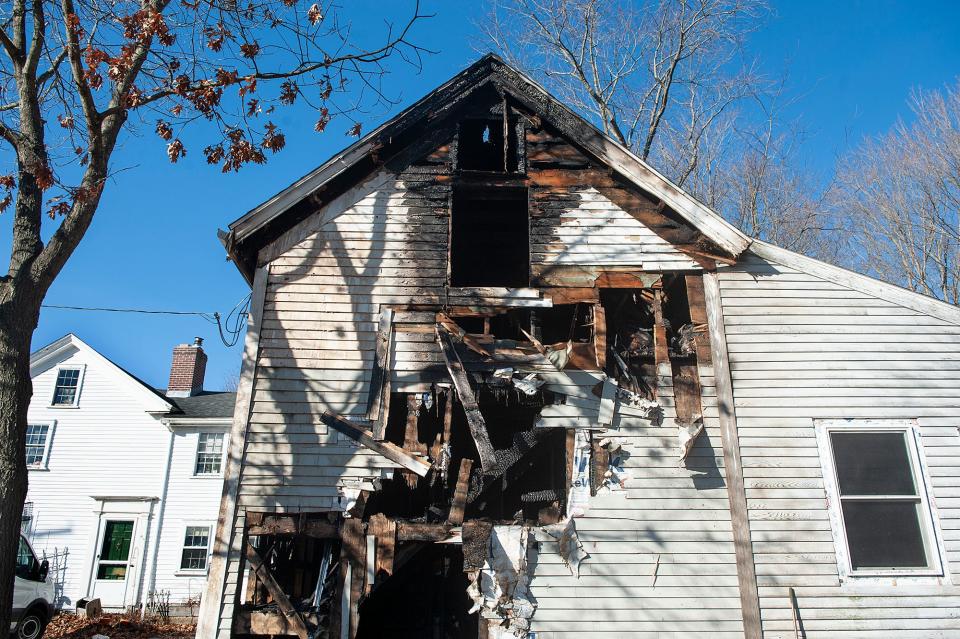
(802, 348)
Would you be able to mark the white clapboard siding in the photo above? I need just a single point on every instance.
(802, 348)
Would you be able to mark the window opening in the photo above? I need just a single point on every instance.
(489, 244)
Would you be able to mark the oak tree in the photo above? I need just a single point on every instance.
(76, 75)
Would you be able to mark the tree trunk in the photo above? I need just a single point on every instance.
(17, 323)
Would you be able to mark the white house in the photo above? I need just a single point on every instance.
(125, 481)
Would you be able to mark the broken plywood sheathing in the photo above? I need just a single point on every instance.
(478, 429)
(391, 451)
(500, 591)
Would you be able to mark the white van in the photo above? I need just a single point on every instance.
(32, 595)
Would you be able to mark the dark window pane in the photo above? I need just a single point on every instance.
(872, 463)
(884, 534)
(116, 541)
(111, 572)
(193, 559)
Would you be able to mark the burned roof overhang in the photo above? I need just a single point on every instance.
(422, 126)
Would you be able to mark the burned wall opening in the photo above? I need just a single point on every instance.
(426, 597)
(489, 237)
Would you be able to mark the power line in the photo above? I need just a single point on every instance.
(229, 328)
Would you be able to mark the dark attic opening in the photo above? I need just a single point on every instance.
(487, 145)
(489, 238)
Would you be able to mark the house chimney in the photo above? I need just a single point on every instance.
(186, 371)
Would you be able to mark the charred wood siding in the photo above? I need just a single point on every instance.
(803, 348)
(572, 223)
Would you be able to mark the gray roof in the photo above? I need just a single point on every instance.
(205, 404)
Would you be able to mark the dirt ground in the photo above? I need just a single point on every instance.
(68, 626)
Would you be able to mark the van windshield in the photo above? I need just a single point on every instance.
(25, 560)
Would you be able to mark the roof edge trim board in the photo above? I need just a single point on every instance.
(712, 225)
(858, 282)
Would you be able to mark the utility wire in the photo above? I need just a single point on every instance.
(229, 328)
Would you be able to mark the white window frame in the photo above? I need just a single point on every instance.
(223, 454)
(183, 537)
(51, 425)
(76, 398)
(929, 524)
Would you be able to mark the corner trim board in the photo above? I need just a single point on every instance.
(733, 469)
(211, 606)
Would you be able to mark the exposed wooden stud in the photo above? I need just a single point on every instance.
(600, 335)
(478, 428)
(459, 503)
(279, 597)
(354, 550)
(661, 349)
(391, 451)
(385, 530)
(733, 469)
(599, 463)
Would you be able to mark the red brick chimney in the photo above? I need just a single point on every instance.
(186, 371)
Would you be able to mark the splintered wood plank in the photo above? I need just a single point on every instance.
(391, 451)
(279, 597)
(381, 373)
(478, 428)
(460, 493)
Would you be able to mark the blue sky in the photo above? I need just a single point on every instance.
(153, 243)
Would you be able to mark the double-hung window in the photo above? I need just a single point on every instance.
(209, 454)
(66, 390)
(196, 546)
(879, 494)
(38, 444)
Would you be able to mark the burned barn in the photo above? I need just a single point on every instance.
(503, 379)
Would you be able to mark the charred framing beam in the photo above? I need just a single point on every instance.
(279, 597)
(391, 451)
(478, 428)
(733, 469)
(302, 524)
